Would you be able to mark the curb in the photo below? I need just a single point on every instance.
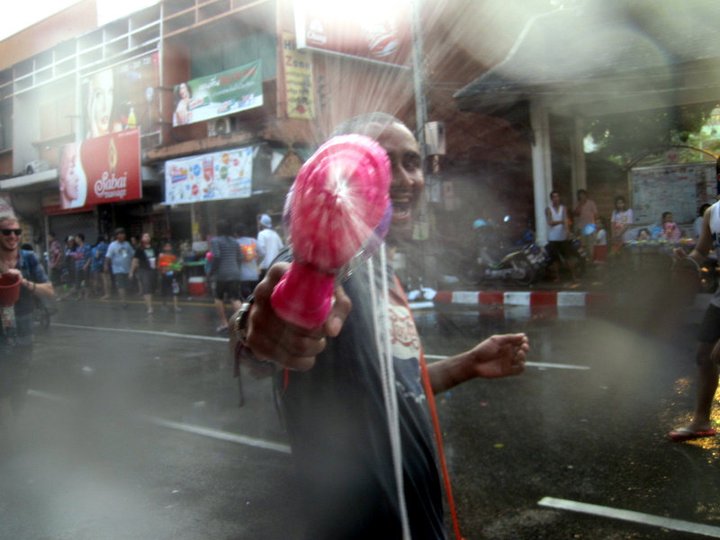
(523, 298)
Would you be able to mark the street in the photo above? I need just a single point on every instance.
(132, 430)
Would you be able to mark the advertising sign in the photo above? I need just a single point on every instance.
(122, 97)
(299, 87)
(216, 95)
(100, 170)
(371, 30)
(209, 177)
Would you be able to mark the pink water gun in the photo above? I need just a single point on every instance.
(338, 207)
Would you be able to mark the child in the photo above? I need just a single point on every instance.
(670, 231)
(170, 268)
(600, 246)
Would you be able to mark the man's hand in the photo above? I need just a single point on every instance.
(272, 339)
(500, 356)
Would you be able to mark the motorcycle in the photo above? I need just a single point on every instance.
(496, 260)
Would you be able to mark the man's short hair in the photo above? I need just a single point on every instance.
(119, 230)
(358, 124)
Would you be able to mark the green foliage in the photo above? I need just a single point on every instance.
(622, 137)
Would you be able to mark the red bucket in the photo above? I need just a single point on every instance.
(9, 289)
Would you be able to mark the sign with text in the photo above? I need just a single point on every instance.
(299, 87)
(371, 30)
(210, 177)
(100, 170)
(227, 92)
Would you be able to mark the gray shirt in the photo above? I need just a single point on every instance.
(226, 260)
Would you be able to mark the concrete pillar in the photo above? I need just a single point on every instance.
(541, 166)
(577, 149)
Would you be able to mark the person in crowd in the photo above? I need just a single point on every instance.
(644, 234)
(169, 267)
(670, 230)
(697, 224)
(225, 269)
(82, 257)
(56, 257)
(707, 355)
(585, 214)
(98, 278)
(620, 221)
(560, 249)
(249, 266)
(269, 244)
(16, 324)
(600, 247)
(144, 265)
(331, 391)
(68, 268)
(119, 258)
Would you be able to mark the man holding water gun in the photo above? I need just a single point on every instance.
(331, 388)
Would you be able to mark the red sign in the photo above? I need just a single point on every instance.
(377, 31)
(101, 170)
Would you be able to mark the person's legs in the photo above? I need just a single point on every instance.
(707, 383)
(220, 288)
(707, 357)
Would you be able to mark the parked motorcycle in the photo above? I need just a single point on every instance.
(496, 258)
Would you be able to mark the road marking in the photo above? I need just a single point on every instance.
(541, 365)
(187, 428)
(146, 332)
(635, 517)
(220, 435)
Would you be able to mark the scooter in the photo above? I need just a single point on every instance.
(496, 260)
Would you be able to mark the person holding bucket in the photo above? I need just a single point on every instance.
(21, 278)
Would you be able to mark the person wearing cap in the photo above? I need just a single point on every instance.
(118, 258)
(16, 324)
(269, 244)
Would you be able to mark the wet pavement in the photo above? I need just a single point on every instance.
(132, 429)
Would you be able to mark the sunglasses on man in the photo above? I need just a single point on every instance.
(8, 232)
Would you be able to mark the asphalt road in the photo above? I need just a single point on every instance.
(132, 430)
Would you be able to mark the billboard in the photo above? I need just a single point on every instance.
(223, 93)
(100, 170)
(210, 177)
(371, 30)
(299, 87)
(122, 97)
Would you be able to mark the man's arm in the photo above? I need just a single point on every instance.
(497, 356)
(704, 243)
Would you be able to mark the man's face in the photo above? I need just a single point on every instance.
(407, 176)
(12, 241)
(555, 199)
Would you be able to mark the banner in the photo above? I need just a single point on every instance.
(210, 177)
(299, 87)
(122, 97)
(217, 95)
(100, 170)
(371, 30)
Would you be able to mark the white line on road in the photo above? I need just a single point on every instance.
(221, 435)
(187, 428)
(541, 365)
(147, 332)
(635, 517)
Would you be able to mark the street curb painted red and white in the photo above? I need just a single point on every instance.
(523, 298)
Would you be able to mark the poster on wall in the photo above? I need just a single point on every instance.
(299, 87)
(100, 170)
(122, 97)
(209, 177)
(371, 30)
(223, 93)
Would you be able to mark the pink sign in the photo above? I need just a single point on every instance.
(101, 170)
